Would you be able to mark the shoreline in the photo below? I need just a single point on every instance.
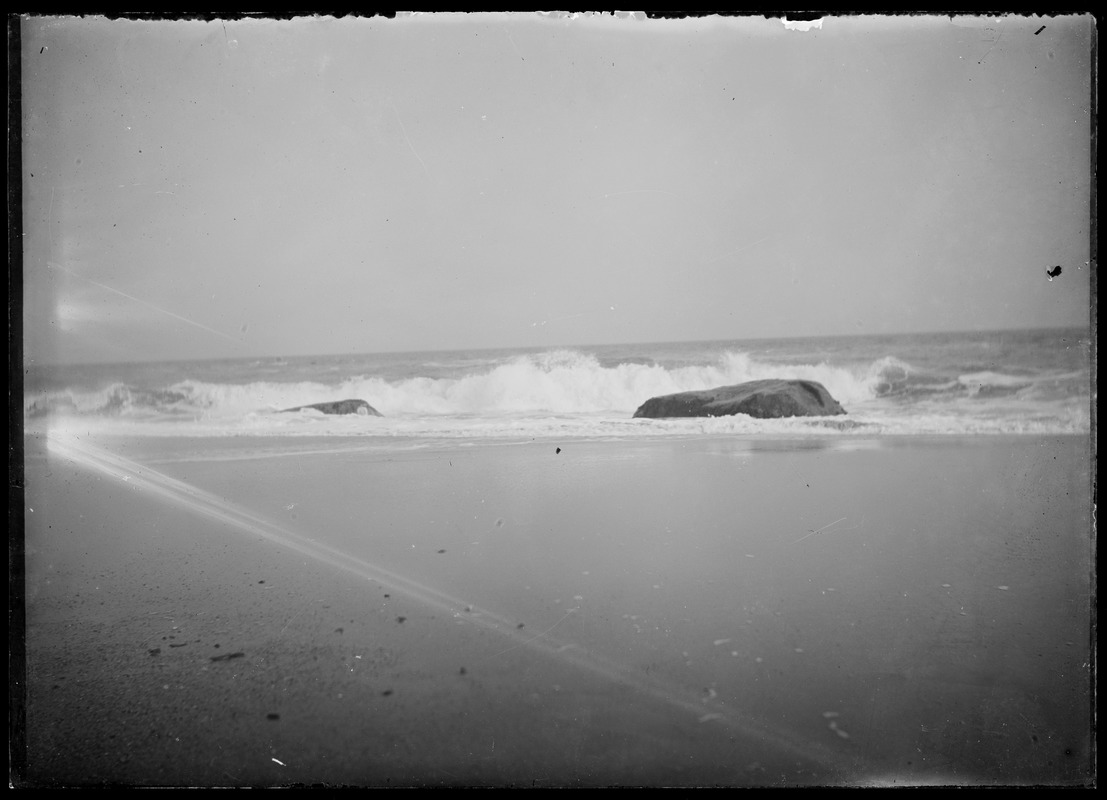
(308, 443)
(140, 558)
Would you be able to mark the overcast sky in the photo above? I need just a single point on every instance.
(198, 189)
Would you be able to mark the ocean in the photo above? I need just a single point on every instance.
(980, 383)
(508, 559)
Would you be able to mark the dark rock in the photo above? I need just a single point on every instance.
(342, 407)
(768, 399)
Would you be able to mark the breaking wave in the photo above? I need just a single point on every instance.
(560, 381)
(568, 390)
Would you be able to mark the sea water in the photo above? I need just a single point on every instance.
(999, 382)
(918, 612)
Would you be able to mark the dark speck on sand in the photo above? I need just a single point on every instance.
(228, 656)
(561, 714)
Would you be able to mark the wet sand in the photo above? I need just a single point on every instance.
(678, 612)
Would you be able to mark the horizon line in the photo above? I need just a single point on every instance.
(56, 364)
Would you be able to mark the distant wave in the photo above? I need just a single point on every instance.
(571, 391)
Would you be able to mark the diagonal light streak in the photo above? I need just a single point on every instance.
(143, 302)
(144, 479)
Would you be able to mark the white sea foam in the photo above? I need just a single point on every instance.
(569, 392)
(559, 382)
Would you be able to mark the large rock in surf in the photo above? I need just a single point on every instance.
(342, 407)
(768, 399)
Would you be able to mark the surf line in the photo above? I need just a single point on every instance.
(142, 478)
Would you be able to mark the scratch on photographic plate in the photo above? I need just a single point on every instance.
(540, 635)
(513, 47)
(820, 530)
(406, 137)
(143, 302)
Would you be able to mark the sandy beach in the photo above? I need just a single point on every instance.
(553, 399)
(694, 612)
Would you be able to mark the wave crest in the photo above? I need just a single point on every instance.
(557, 381)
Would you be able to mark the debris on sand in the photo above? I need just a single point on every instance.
(228, 656)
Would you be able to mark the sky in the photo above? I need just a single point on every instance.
(231, 188)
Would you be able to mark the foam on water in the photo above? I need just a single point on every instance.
(573, 392)
(563, 381)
